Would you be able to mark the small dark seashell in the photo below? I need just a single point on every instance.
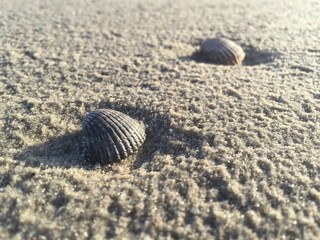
(222, 51)
(110, 136)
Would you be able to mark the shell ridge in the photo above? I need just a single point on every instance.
(129, 134)
(110, 135)
(102, 150)
(122, 138)
(225, 53)
(131, 127)
(139, 129)
(237, 51)
(233, 53)
(90, 137)
(115, 139)
(115, 145)
(222, 51)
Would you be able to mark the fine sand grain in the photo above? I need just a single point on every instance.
(232, 152)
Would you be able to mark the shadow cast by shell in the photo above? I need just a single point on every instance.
(61, 151)
(257, 57)
(65, 151)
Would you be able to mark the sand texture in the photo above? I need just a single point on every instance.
(232, 152)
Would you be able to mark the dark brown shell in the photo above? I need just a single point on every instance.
(222, 51)
(110, 136)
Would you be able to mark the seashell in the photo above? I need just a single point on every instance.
(110, 136)
(222, 51)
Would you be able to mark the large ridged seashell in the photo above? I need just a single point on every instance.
(222, 51)
(110, 136)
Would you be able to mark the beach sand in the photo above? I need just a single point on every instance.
(232, 152)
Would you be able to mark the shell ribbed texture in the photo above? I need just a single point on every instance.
(222, 51)
(111, 136)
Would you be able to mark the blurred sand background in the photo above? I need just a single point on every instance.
(232, 152)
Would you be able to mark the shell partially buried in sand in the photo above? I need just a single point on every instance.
(110, 136)
(222, 51)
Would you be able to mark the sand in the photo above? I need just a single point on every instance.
(232, 152)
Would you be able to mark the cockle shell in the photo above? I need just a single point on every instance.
(222, 51)
(110, 136)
